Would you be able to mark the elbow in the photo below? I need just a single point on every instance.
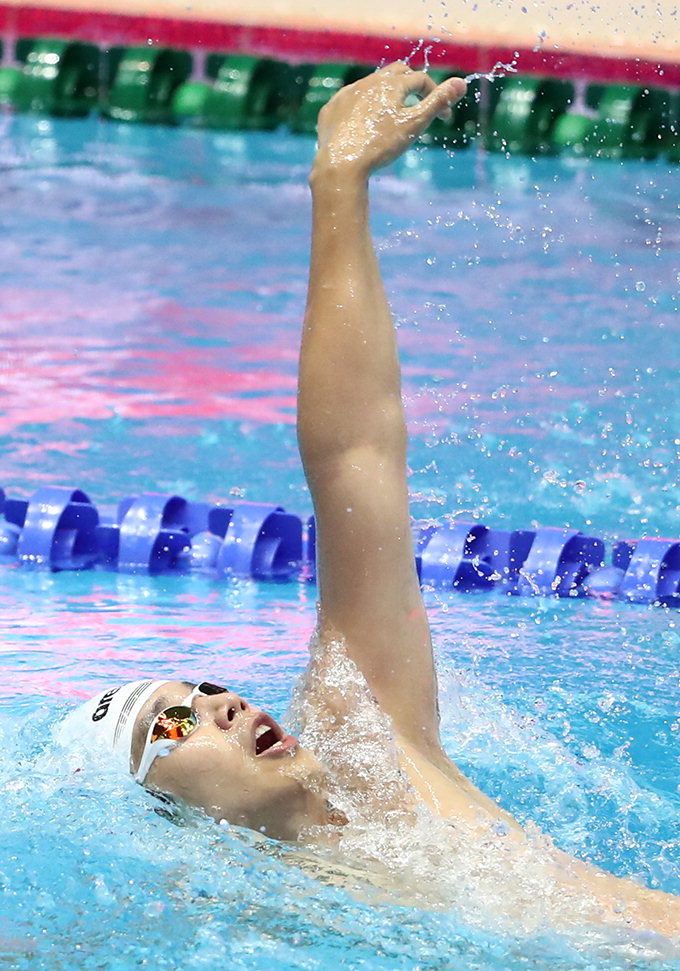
(327, 432)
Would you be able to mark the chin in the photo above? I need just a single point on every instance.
(283, 815)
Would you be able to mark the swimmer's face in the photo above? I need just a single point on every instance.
(238, 765)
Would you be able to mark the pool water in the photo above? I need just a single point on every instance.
(152, 284)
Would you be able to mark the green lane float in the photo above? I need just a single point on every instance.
(631, 122)
(244, 93)
(571, 133)
(56, 77)
(142, 82)
(618, 121)
(9, 79)
(523, 114)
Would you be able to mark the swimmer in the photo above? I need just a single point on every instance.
(203, 745)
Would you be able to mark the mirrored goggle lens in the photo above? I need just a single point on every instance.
(174, 724)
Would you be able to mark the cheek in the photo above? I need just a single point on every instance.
(218, 777)
(198, 771)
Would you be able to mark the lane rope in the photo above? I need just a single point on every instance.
(60, 528)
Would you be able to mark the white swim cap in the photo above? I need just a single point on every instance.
(105, 723)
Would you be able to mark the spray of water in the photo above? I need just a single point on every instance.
(499, 70)
(425, 48)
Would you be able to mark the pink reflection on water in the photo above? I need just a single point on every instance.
(66, 373)
(47, 308)
(72, 648)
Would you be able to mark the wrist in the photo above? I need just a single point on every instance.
(340, 175)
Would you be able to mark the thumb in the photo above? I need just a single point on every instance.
(438, 102)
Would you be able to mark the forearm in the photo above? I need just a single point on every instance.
(349, 390)
(349, 383)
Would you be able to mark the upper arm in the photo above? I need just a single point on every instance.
(369, 595)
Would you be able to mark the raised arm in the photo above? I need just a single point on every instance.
(351, 427)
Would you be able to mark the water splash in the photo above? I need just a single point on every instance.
(426, 48)
(499, 70)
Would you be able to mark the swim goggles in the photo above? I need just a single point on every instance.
(170, 727)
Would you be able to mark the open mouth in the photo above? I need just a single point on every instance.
(265, 737)
(270, 738)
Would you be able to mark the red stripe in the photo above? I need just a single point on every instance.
(295, 45)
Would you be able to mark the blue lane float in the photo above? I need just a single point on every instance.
(559, 561)
(60, 528)
(471, 556)
(650, 571)
(56, 528)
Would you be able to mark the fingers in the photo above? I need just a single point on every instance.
(396, 67)
(436, 98)
(421, 82)
(417, 82)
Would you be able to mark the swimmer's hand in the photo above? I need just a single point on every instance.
(367, 125)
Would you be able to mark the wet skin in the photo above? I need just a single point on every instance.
(352, 435)
(279, 788)
(238, 765)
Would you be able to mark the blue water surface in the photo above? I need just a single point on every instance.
(152, 284)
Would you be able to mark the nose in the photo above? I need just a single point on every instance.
(223, 708)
